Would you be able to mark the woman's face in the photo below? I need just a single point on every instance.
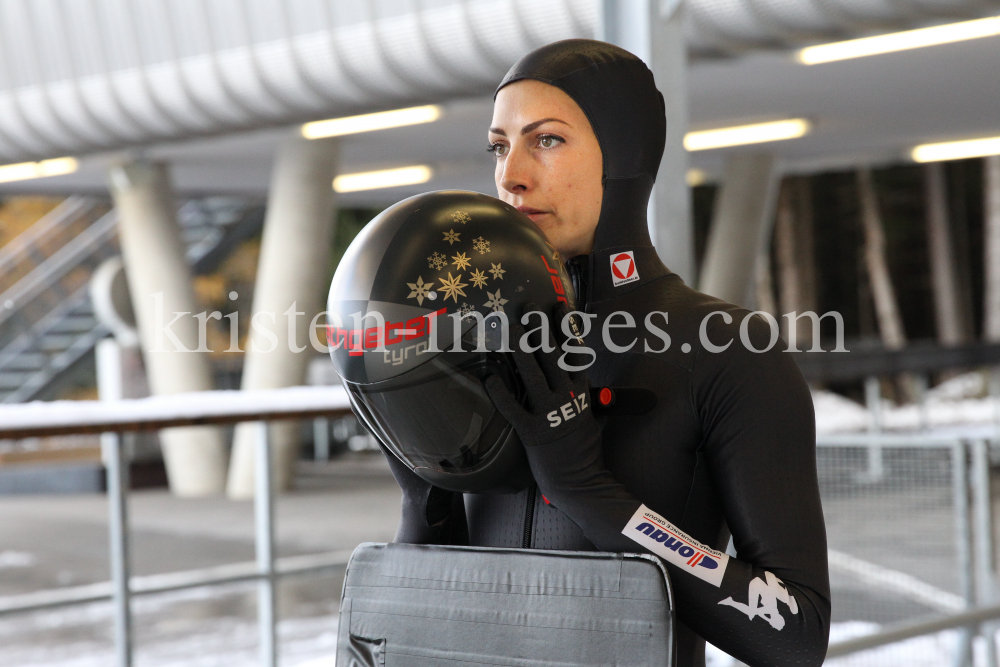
(548, 163)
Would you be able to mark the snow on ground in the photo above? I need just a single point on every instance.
(837, 414)
(205, 627)
(952, 407)
(927, 651)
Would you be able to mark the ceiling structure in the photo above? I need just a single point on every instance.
(868, 110)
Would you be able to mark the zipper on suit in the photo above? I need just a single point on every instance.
(577, 276)
(529, 516)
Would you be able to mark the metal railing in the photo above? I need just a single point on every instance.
(972, 537)
(55, 267)
(33, 246)
(111, 419)
(967, 476)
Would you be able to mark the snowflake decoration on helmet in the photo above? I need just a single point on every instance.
(496, 302)
(478, 278)
(451, 236)
(437, 261)
(461, 216)
(461, 261)
(482, 245)
(420, 290)
(452, 287)
(497, 271)
(466, 309)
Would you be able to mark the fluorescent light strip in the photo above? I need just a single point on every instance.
(384, 178)
(956, 150)
(23, 171)
(900, 41)
(741, 135)
(370, 122)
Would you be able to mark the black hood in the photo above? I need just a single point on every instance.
(616, 91)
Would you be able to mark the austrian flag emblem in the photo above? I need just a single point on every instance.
(623, 268)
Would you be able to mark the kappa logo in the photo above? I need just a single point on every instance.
(623, 268)
(762, 600)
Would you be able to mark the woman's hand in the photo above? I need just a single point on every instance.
(561, 436)
(559, 403)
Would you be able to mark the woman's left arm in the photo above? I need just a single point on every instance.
(769, 606)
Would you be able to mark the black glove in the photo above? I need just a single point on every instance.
(559, 403)
(563, 442)
(560, 434)
(430, 515)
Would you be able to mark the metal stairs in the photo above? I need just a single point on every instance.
(47, 324)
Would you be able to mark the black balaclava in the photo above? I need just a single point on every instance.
(616, 91)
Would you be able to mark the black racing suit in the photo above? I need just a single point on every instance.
(729, 447)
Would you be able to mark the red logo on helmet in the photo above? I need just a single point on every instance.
(556, 281)
(623, 268)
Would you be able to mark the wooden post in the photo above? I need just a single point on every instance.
(784, 250)
(763, 282)
(794, 251)
(890, 322)
(806, 243)
(947, 305)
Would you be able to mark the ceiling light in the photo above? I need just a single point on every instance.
(22, 171)
(385, 178)
(956, 150)
(741, 135)
(369, 122)
(696, 177)
(899, 41)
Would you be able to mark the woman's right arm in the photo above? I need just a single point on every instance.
(430, 515)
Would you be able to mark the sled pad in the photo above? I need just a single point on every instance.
(445, 606)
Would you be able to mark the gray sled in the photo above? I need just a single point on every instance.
(437, 606)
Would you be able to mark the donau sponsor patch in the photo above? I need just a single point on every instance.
(623, 268)
(672, 545)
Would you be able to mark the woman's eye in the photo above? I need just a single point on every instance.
(498, 149)
(548, 141)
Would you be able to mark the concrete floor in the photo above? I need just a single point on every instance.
(53, 541)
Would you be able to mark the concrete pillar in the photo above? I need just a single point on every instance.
(671, 224)
(159, 280)
(991, 248)
(741, 226)
(653, 30)
(292, 271)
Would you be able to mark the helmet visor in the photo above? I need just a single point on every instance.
(438, 415)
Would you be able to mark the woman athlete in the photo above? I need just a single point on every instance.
(729, 450)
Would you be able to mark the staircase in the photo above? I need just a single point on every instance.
(47, 323)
